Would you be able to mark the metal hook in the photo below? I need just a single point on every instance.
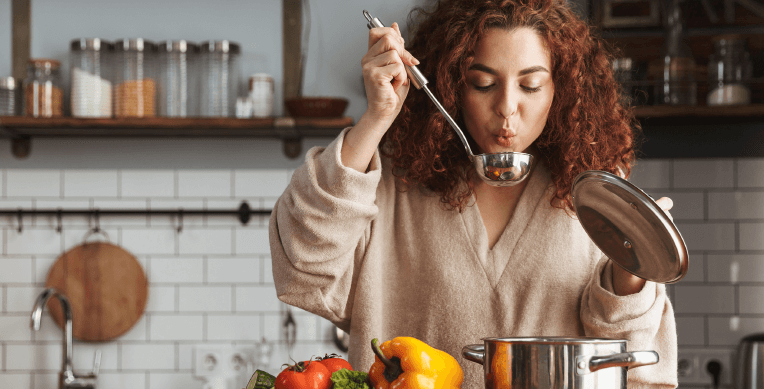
(97, 227)
(59, 216)
(180, 220)
(21, 223)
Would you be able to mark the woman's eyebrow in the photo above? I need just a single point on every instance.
(483, 68)
(486, 69)
(533, 69)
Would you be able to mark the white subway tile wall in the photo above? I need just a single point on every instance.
(212, 282)
(719, 209)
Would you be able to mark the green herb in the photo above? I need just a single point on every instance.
(261, 380)
(348, 379)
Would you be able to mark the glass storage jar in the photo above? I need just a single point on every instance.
(677, 84)
(43, 96)
(178, 79)
(91, 87)
(219, 78)
(10, 97)
(135, 86)
(729, 72)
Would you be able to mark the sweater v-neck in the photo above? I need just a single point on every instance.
(495, 260)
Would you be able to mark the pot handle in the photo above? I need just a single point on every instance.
(589, 364)
(474, 352)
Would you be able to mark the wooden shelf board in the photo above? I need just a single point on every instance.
(172, 127)
(678, 111)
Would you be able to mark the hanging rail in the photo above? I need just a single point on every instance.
(244, 213)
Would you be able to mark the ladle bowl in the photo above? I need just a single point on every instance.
(503, 169)
(496, 169)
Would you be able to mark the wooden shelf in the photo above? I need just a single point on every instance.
(21, 129)
(685, 112)
(172, 127)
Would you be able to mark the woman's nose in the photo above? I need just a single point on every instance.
(506, 105)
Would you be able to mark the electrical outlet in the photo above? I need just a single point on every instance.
(692, 364)
(687, 367)
(223, 361)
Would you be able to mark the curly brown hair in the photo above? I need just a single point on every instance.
(588, 127)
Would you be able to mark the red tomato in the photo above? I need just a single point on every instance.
(305, 375)
(334, 362)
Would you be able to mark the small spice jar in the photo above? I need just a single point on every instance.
(10, 96)
(91, 88)
(135, 85)
(729, 72)
(43, 96)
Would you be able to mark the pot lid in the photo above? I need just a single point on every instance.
(629, 227)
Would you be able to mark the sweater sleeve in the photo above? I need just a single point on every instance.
(318, 231)
(645, 319)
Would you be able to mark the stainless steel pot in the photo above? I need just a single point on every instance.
(556, 362)
(749, 369)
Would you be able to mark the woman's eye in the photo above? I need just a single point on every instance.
(530, 89)
(483, 88)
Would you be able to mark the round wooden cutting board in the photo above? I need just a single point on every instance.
(106, 287)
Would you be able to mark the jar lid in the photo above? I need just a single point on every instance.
(8, 83)
(629, 227)
(261, 77)
(91, 44)
(220, 47)
(179, 46)
(44, 63)
(134, 44)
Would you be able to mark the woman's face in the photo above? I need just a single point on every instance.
(509, 90)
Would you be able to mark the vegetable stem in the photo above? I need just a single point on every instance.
(378, 352)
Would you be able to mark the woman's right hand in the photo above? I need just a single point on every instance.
(384, 74)
(387, 84)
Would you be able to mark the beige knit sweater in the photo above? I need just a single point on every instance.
(381, 263)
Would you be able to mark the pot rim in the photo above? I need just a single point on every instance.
(554, 340)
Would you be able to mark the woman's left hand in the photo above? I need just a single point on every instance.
(625, 283)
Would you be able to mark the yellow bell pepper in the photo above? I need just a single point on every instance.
(409, 363)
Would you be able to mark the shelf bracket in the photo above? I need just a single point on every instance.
(21, 147)
(286, 129)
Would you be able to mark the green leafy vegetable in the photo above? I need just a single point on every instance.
(261, 380)
(348, 379)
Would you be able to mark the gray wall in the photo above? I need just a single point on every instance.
(336, 43)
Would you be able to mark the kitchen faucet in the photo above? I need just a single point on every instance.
(66, 379)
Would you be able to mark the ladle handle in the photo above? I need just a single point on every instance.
(418, 80)
(416, 77)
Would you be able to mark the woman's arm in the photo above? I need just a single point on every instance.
(320, 226)
(645, 319)
(319, 229)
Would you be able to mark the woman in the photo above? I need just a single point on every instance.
(388, 232)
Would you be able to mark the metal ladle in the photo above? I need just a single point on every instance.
(496, 169)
